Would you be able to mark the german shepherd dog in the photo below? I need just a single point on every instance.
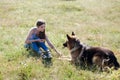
(87, 55)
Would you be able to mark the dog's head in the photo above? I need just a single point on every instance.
(72, 41)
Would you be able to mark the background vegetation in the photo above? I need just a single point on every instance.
(95, 22)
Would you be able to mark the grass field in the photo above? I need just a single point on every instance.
(95, 22)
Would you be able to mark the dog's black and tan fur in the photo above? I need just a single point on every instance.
(87, 55)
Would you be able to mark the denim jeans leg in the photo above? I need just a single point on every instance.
(35, 47)
(43, 46)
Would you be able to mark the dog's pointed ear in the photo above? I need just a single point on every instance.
(73, 34)
(68, 37)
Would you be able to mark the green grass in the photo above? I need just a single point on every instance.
(95, 22)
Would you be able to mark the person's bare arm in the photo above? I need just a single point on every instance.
(28, 38)
(52, 46)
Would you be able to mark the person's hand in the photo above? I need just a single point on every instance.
(29, 41)
(59, 54)
(40, 40)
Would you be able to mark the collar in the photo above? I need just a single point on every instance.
(74, 49)
(77, 47)
(82, 51)
(85, 47)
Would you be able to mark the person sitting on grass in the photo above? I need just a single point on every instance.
(36, 39)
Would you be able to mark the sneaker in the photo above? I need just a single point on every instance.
(44, 56)
(49, 55)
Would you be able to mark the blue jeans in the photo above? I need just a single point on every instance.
(35, 46)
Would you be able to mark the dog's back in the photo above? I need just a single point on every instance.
(96, 55)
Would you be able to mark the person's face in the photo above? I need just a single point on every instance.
(41, 28)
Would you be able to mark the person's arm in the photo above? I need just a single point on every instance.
(28, 37)
(52, 46)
